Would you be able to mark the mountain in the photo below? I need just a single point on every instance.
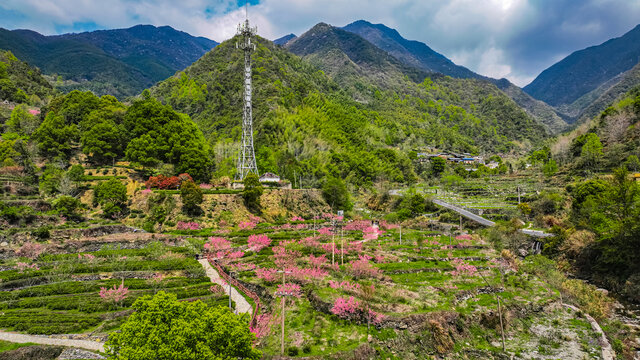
(345, 109)
(363, 69)
(541, 111)
(351, 60)
(409, 52)
(418, 54)
(284, 40)
(118, 62)
(584, 71)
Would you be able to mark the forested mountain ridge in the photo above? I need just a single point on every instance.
(363, 70)
(359, 127)
(119, 62)
(420, 55)
(585, 70)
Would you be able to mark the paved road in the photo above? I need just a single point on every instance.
(483, 221)
(465, 213)
(242, 305)
(43, 340)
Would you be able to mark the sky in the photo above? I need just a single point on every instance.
(515, 39)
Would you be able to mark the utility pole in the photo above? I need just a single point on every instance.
(283, 295)
(518, 187)
(400, 234)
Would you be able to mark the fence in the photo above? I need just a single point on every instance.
(238, 286)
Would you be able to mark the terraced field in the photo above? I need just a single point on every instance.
(350, 289)
(60, 293)
(424, 296)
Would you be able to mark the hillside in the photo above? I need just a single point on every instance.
(420, 55)
(20, 83)
(118, 62)
(356, 119)
(606, 94)
(585, 70)
(343, 56)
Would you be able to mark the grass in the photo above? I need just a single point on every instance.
(9, 346)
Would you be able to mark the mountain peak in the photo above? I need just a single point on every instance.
(284, 40)
(410, 52)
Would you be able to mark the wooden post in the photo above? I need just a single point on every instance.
(501, 325)
(341, 246)
(333, 249)
(282, 340)
(400, 234)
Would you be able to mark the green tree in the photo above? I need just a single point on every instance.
(67, 206)
(112, 196)
(55, 136)
(550, 168)
(632, 163)
(21, 121)
(76, 172)
(102, 143)
(161, 327)
(191, 196)
(591, 152)
(438, 165)
(252, 192)
(336, 194)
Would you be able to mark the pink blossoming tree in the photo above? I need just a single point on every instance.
(116, 295)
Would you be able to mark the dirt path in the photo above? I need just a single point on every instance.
(607, 351)
(242, 305)
(43, 340)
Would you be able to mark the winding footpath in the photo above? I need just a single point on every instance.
(242, 305)
(43, 340)
(607, 350)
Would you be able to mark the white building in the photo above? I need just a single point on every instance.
(269, 177)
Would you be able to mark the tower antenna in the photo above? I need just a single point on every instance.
(246, 156)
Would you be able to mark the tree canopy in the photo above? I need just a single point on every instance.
(162, 327)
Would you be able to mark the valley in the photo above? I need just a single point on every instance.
(403, 206)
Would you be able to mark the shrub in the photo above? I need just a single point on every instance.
(30, 250)
(252, 192)
(67, 206)
(115, 295)
(191, 196)
(112, 196)
(42, 232)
